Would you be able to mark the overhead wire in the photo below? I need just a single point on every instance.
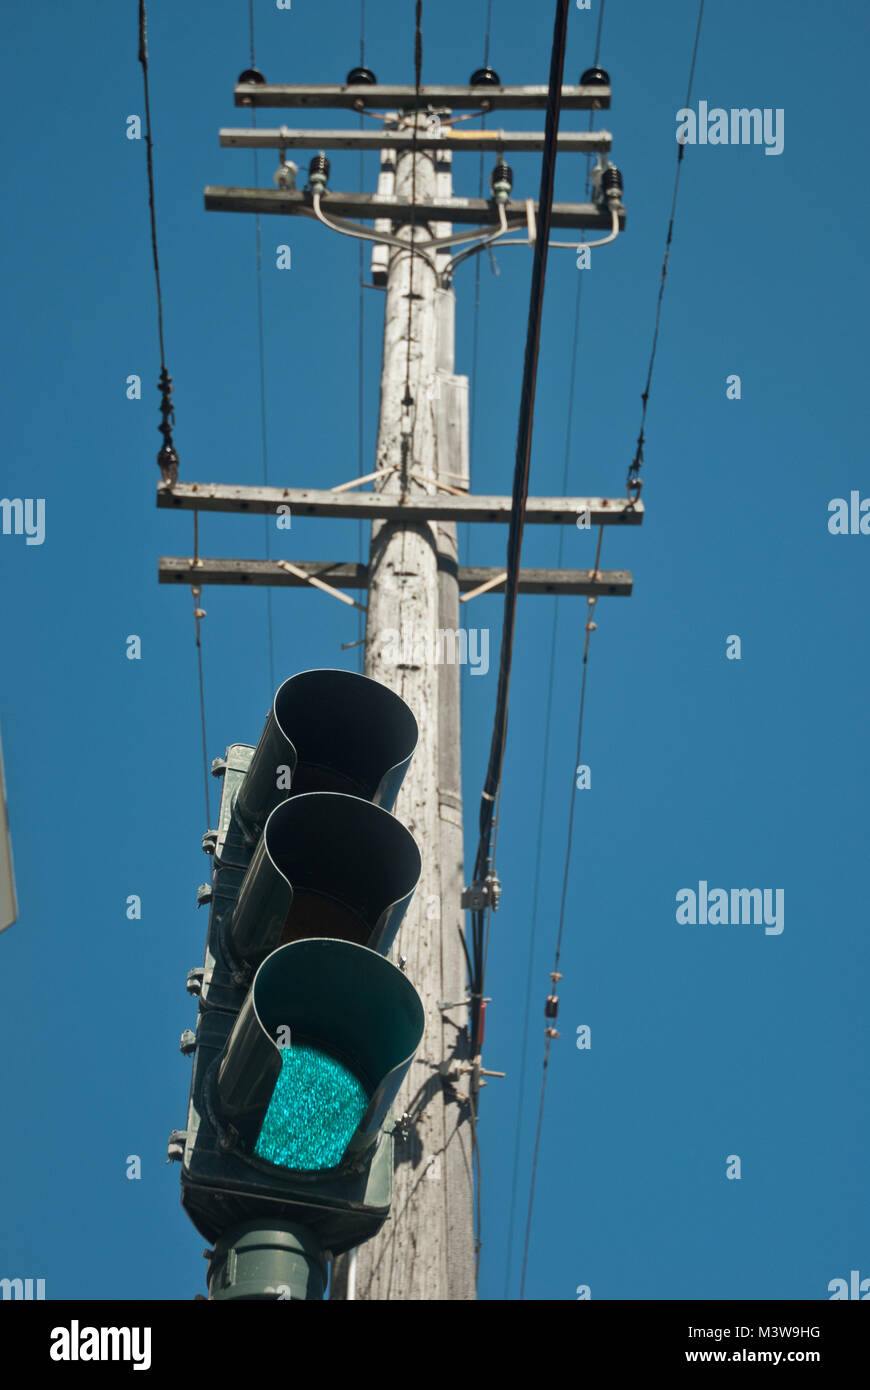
(167, 457)
(408, 400)
(633, 482)
(554, 975)
(633, 487)
(545, 761)
(482, 876)
(267, 528)
(476, 316)
(361, 343)
(483, 864)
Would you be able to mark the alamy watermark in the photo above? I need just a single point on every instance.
(719, 907)
(740, 126)
(22, 1288)
(76, 1343)
(850, 518)
(444, 647)
(24, 516)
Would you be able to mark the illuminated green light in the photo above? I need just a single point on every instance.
(315, 1109)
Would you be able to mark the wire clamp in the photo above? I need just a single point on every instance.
(482, 893)
(551, 1007)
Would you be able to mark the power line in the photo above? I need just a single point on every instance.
(554, 975)
(167, 457)
(361, 341)
(633, 482)
(540, 837)
(198, 615)
(473, 402)
(408, 438)
(522, 464)
(267, 533)
(633, 486)
(547, 731)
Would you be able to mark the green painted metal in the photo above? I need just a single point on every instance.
(259, 1261)
(223, 1185)
(332, 731)
(325, 865)
(332, 994)
(311, 881)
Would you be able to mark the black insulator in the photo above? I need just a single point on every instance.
(319, 165)
(485, 77)
(502, 173)
(595, 77)
(611, 182)
(551, 1008)
(251, 76)
(361, 77)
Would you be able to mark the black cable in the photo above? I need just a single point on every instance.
(589, 628)
(633, 483)
(545, 762)
(361, 345)
(408, 401)
(267, 531)
(167, 458)
(521, 470)
(149, 156)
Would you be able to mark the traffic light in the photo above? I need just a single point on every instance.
(305, 1029)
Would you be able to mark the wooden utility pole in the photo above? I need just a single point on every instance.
(413, 643)
(426, 1249)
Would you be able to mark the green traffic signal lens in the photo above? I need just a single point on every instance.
(314, 1112)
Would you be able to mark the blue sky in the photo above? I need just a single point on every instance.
(707, 1041)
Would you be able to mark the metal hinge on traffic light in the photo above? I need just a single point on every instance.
(175, 1148)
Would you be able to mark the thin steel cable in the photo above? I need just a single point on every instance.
(598, 34)
(521, 469)
(408, 439)
(149, 159)
(545, 763)
(267, 532)
(540, 837)
(360, 348)
(267, 520)
(633, 483)
(167, 457)
(167, 454)
(196, 591)
(589, 629)
(473, 402)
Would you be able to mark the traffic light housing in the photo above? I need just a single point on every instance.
(305, 1029)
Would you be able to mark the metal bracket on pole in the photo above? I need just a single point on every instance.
(482, 893)
(175, 1148)
(531, 221)
(452, 1070)
(444, 1004)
